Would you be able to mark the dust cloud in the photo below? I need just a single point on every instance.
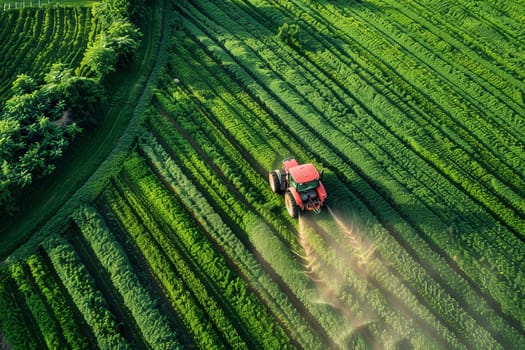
(342, 274)
(328, 284)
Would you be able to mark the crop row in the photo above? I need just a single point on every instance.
(200, 328)
(180, 116)
(496, 235)
(481, 192)
(205, 271)
(266, 100)
(58, 302)
(433, 150)
(36, 38)
(498, 176)
(222, 153)
(474, 34)
(170, 137)
(82, 289)
(51, 317)
(15, 323)
(153, 325)
(418, 169)
(463, 81)
(222, 180)
(282, 261)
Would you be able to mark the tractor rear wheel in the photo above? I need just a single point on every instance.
(275, 183)
(291, 205)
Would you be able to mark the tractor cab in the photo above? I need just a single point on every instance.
(302, 185)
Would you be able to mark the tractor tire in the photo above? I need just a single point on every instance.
(291, 205)
(275, 183)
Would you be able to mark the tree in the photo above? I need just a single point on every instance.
(59, 73)
(83, 97)
(124, 39)
(100, 58)
(29, 142)
(23, 84)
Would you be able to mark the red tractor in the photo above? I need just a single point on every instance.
(301, 184)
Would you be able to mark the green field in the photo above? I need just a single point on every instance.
(33, 39)
(20, 4)
(162, 230)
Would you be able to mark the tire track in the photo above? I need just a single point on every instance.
(448, 260)
(430, 181)
(261, 295)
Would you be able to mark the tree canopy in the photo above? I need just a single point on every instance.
(38, 122)
(114, 45)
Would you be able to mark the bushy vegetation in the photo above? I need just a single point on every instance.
(40, 120)
(116, 42)
(154, 327)
(37, 124)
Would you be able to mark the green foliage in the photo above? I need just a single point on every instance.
(80, 97)
(99, 58)
(414, 108)
(13, 324)
(138, 98)
(210, 220)
(37, 124)
(115, 45)
(36, 304)
(203, 268)
(198, 310)
(29, 140)
(87, 298)
(154, 326)
(35, 38)
(326, 103)
(289, 33)
(57, 301)
(23, 84)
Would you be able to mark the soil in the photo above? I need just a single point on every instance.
(64, 120)
(4, 345)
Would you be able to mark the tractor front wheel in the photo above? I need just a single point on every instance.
(291, 205)
(275, 183)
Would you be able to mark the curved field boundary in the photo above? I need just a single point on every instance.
(420, 243)
(85, 168)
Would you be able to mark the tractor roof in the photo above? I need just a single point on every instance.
(304, 173)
